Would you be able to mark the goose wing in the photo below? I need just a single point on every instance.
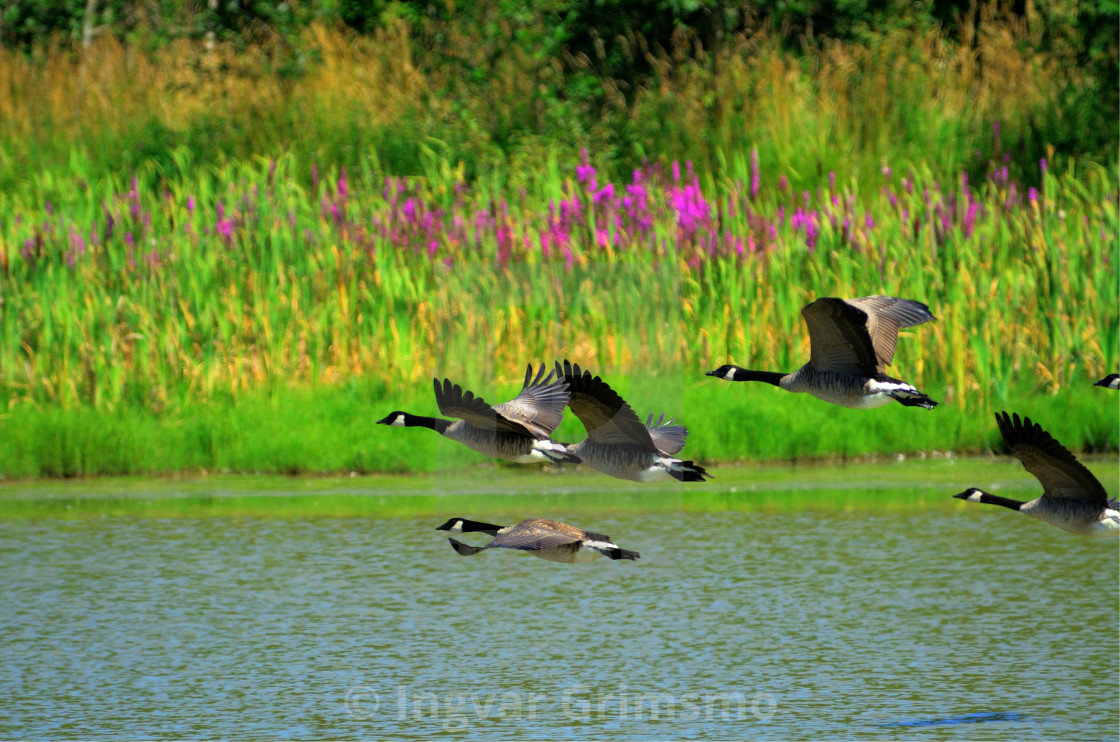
(668, 438)
(453, 401)
(606, 416)
(540, 404)
(536, 534)
(1058, 470)
(838, 338)
(885, 315)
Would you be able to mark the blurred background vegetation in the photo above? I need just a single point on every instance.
(485, 81)
(202, 267)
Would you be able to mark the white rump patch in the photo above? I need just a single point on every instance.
(657, 472)
(1108, 525)
(590, 550)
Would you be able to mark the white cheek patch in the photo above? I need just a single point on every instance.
(398, 421)
(973, 496)
(457, 528)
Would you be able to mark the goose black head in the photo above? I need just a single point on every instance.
(396, 418)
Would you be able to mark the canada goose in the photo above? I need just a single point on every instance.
(1112, 381)
(617, 443)
(517, 430)
(547, 539)
(851, 343)
(1072, 498)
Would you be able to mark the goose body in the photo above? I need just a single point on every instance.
(546, 539)
(617, 443)
(851, 343)
(1112, 381)
(517, 430)
(1072, 498)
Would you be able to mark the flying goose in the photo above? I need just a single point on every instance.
(1112, 381)
(517, 430)
(617, 442)
(1072, 498)
(851, 343)
(547, 539)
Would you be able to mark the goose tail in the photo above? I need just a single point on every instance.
(622, 554)
(688, 471)
(913, 398)
(555, 452)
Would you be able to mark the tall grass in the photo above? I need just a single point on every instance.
(237, 287)
(913, 95)
(152, 295)
(204, 264)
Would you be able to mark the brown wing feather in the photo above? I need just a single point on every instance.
(885, 315)
(838, 337)
(606, 416)
(453, 401)
(668, 438)
(540, 404)
(1058, 470)
(535, 534)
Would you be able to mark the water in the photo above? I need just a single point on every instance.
(912, 615)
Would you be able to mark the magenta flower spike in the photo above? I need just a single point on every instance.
(754, 173)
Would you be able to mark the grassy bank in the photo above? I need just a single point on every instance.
(178, 295)
(331, 429)
(241, 322)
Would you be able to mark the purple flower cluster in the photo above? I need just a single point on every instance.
(659, 213)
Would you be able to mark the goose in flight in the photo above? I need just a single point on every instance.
(1072, 498)
(547, 539)
(851, 343)
(517, 430)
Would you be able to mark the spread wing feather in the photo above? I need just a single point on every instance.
(606, 416)
(453, 401)
(885, 315)
(534, 413)
(540, 404)
(668, 438)
(838, 337)
(1058, 470)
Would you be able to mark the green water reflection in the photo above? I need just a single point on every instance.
(857, 602)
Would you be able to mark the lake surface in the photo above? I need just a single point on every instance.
(807, 603)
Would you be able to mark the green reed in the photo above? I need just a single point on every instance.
(167, 304)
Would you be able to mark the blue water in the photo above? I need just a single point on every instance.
(944, 622)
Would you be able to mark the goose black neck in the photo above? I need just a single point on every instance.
(769, 377)
(419, 421)
(474, 526)
(1006, 502)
